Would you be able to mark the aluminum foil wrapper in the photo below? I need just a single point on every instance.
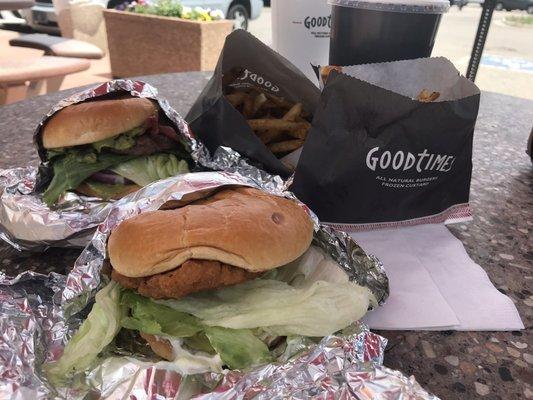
(339, 367)
(38, 315)
(27, 223)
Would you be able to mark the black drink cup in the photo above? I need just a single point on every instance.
(373, 31)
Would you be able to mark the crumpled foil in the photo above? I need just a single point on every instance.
(339, 367)
(38, 315)
(26, 223)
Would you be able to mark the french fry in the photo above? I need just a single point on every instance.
(425, 96)
(305, 115)
(293, 113)
(269, 136)
(301, 132)
(286, 146)
(248, 109)
(270, 105)
(306, 124)
(278, 124)
(236, 99)
(258, 103)
(326, 70)
(279, 101)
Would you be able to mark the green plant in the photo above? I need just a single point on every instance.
(172, 8)
(168, 8)
(522, 20)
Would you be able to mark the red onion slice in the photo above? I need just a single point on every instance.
(110, 178)
(169, 132)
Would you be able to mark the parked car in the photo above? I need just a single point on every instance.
(509, 5)
(42, 17)
(462, 3)
(458, 3)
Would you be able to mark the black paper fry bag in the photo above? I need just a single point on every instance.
(246, 63)
(390, 144)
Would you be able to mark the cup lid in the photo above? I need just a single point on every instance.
(406, 6)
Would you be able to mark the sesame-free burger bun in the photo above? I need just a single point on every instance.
(242, 227)
(93, 121)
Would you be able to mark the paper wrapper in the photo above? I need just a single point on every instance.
(39, 313)
(27, 223)
(246, 62)
(408, 158)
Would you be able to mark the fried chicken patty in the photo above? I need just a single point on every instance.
(190, 277)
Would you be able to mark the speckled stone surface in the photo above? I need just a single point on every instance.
(453, 365)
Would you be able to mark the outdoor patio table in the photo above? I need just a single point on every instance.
(453, 365)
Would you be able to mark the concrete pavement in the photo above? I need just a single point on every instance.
(505, 43)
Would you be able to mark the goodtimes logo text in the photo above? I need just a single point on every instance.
(400, 160)
(247, 74)
(317, 22)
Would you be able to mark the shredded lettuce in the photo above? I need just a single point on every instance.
(317, 309)
(199, 342)
(123, 141)
(237, 348)
(155, 319)
(60, 151)
(73, 165)
(96, 332)
(148, 169)
(76, 166)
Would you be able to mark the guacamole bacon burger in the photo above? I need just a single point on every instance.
(224, 282)
(109, 148)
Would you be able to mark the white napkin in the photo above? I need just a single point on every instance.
(434, 284)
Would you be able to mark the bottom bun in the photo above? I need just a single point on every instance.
(161, 347)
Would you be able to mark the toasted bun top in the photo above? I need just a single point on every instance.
(93, 121)
(243, 227)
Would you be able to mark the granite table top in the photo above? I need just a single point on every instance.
(452, 365)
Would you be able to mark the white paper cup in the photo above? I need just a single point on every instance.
(300, 32)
